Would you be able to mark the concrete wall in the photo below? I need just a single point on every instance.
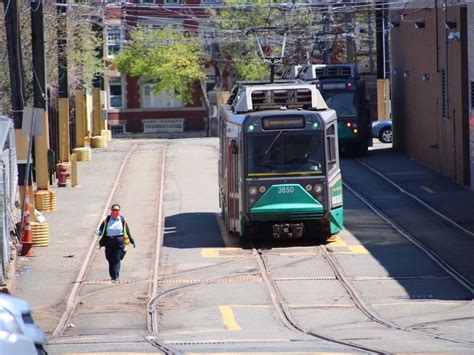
(419, 58)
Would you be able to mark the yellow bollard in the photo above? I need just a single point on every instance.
(73, 170)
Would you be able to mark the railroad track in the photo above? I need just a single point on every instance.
(75, 297)
(285, 315)
(466, 232)
(432, 254)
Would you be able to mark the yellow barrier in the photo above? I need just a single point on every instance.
(40, 233)
(83, 153)
(107, 134)
(45, 200)
(99, 142)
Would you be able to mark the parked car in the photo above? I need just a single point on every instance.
(21, 310)
(12, 339)
(382, 130)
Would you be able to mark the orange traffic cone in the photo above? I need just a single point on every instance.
(26, 235)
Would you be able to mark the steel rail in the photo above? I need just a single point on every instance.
(431, 254)
(285, 315)
(468, 285)
(367, 310)
(152, 317)
(71, 302)
(445, 218)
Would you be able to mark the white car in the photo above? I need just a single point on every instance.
(12, 339)
(21, 310)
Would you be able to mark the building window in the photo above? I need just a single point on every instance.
(117, 128)
(210, 1)
(114, 40)
(172, 2)
(147, 1)
(115, 92)
(151, 99)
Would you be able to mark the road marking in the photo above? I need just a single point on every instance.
(337, 242)
(228, 318)
(427, 189)
(220, 253)
(211, 330)
(321, 305)
(209, 253)
(358, 249)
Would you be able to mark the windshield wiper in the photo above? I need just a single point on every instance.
(272, 143)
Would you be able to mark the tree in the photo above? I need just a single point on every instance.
(171, 60)
(82, 62)
(238, 57)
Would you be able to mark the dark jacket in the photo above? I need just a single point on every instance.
(126, 231)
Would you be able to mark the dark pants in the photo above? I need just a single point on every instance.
(114, 252)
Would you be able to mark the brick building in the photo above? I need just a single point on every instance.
(432, 57)
(132, 105)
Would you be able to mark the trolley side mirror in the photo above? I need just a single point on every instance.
(235, 147)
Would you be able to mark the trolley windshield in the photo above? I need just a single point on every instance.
(343, 102)
(282, 153)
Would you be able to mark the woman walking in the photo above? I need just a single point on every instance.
(114, 234)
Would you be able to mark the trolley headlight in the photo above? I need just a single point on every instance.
(262, 189)
(308, 187)
(318, 188)
(253, 191)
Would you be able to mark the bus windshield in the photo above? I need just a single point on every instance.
(342, 102)
(285, 153)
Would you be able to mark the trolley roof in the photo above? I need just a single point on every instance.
(275, 96)
(326, 71)
(239, 119)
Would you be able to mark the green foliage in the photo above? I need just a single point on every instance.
(171, 60)
(237, 57)
(251, 68)
(81, 50)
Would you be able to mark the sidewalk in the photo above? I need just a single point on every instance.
(46, 279)
(436, 190)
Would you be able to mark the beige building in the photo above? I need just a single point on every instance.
(432, 76)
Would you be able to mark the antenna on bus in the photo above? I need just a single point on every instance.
(269, 46)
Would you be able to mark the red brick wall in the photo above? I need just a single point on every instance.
(133, 92)
(194, 119)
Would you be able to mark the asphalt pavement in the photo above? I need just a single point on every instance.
(435, 190)
(46, 279)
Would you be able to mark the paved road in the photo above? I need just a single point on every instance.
(212, 295)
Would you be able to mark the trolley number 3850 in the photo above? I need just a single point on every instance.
(286, 189)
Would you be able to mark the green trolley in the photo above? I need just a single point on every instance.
(279, 163)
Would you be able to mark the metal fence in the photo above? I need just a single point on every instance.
(8, 196)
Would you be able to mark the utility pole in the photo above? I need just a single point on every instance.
(370, 33)
(63, 102)
(39, 90)
(15, 60)
(383, 63)
(350, 31)
(327, 19)
(98, 82)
